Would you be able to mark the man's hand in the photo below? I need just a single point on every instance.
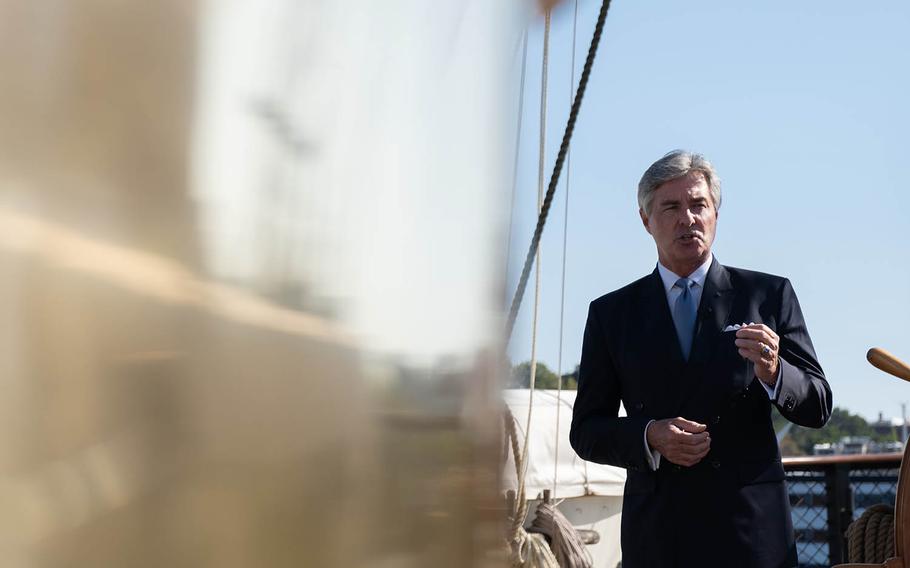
(759, 344)
(681, 441)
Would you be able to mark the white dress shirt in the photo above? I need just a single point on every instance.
(698, 276)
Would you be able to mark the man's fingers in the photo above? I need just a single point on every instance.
(758, 338)
(690, 445)
(684, 451)
(759, 344)
(688, 425)
(753, 356)
(692, 439)
(687, 456)
(687, 449)
(758, 334)
(748, 344)
(762, 334)
(758, 326)
(692, 456)
(681, 441)
(698, 446)
(687, 433)
(756, 346)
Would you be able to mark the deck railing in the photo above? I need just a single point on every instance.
(828, 492)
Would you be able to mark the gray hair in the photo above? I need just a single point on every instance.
(673, 165)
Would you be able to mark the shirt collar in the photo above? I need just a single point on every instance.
(698, 276)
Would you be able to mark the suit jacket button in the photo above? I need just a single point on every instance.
(676, 467)
(715, 464)
(716, 420)
(639, 406)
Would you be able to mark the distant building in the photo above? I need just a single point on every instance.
(856, 445)
(887, 426)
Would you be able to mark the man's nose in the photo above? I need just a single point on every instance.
(687, 217)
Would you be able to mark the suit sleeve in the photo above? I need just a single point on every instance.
(805, 396)
(598, 434)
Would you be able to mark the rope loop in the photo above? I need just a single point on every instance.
(870, 538)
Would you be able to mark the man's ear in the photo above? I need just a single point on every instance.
(644, 220)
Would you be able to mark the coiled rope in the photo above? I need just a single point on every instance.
(870, 538)
(530, 550)
(526, 550)
(567, 546)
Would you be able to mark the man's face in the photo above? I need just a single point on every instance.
(682, 221)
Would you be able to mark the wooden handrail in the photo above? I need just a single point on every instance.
(859, 459)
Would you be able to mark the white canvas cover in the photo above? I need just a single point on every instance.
(575, 476)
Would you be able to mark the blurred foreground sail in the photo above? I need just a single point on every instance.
(247, 280)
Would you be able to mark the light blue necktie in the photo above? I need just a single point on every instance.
(684, 316)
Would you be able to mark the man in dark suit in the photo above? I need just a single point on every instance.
(698, 353)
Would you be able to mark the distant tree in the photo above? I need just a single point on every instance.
(790, 448)
(544, 379)
(799, 440)
(570, 380)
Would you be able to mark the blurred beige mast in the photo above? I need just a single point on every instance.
(227, 228)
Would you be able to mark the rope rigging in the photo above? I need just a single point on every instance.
(526, 550)
(557, 169)
(562, 291)
(521, 104)
(542, 142)
(568, 549)
(519, 536)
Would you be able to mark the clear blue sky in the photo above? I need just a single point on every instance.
(802, 108)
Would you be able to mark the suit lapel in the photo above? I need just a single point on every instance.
(659, 335)
(713, 309)
(716, 299)
(682, 378)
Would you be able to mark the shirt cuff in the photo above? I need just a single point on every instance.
(652, 455)
(775, 390)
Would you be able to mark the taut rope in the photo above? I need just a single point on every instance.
(557, 169)
(521, 105)
(562, 290)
